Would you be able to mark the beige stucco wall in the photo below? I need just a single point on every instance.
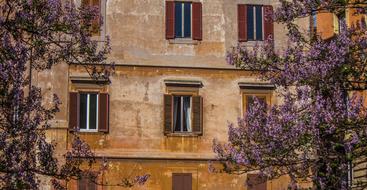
(144, 59)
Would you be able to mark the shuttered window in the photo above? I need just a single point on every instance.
(181, 181)
(96, 23)
(86, 184)
(89, 112)
(254, 22)
(183, 114)
(183, 20)
(256, 182)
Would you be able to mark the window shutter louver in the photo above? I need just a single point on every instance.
(170, 19)
(197, 102)
(103, 112)
(268, 22)
(242, 22)
(167, 113)
(73, 111)
(197, 32)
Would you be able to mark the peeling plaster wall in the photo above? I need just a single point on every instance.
(144, 59)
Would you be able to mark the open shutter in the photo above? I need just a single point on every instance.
(167, 113)
(197, 31)
(197, 103)
(268, 22)
(73, 111)
(170, 19)
(103, 112)
(242, 22)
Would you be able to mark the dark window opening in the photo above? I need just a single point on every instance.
(182, 114)
(183, 19)
(255, 22)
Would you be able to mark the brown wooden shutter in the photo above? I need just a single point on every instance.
(181, 181)
(167, 113)
(82, 184)
(197, 103)
(197, 31)
(268, 22)
(73, 111)
(103, 112)
(256, 182)
(242, 23)
(170, 19)
(325, 24)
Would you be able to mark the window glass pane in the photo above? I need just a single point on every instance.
(178, 20)
(250, 22)
(83, 111)
(187, 20)
(250, 101)
(93, 111)
(177, 113)
(187, 114)
(259, 23)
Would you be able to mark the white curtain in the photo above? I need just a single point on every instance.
(187, 111)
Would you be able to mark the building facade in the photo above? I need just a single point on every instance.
(171, 94)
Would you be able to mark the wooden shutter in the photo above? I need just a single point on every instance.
(82, 184)
(197, 103)
(73, 111)
(181, 181)
(256, 182)
(103, 112)
(167, 113)
(268, 22)
(197, 31)
(325, 24)
(170, 19)
(242, 22)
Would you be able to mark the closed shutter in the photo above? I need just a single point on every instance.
(103, 112)
(167, 113)
(255, 182)
(197, 102)
(197, 32)
(73, 111)
(242, 25)
(181, 181)
(268, 22)
(325, 24)
(170, 19)
(82, 184)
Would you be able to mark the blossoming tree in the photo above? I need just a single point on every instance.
(34, 36)
(319, 127)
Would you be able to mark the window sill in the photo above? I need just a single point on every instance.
(187, 41)
(183, 134)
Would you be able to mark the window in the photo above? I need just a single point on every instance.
(250, 99)
(181, 181)
(97, 27)
(313, 23)
(183, 108)
(183, 20)
(255, 22)
(88, 112)
(339, 21)
(86, 184)
(256, 182)
(182, 114)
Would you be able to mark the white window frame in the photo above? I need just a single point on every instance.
(87, 114)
